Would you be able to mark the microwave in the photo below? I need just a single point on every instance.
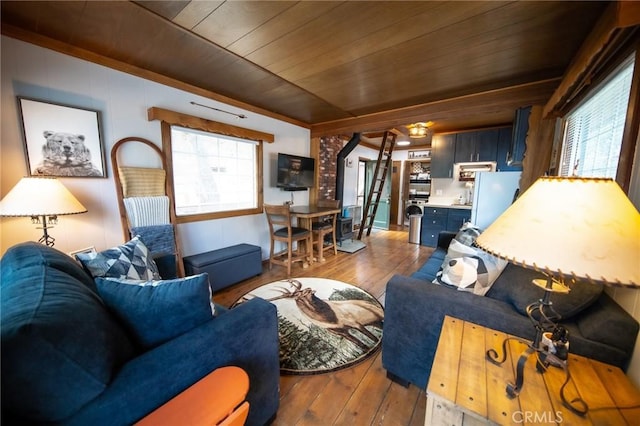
(466, 172)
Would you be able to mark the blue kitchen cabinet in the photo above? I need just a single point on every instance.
(505, 135)
(443, 148)
(519, 139)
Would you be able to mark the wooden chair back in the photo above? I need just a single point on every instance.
(332, 204)
(278, 216)
(326, 226)
(335, 204)
(281, 229)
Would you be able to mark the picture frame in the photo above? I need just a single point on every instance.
(86, 250)
(62, 140)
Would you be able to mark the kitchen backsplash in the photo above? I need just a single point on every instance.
(448, 191)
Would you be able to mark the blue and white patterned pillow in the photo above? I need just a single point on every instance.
(131, 260)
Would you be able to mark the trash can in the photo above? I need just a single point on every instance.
(415, 221)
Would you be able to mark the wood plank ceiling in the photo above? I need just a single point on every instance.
(332, 66)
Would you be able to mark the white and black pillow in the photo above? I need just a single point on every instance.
(474, 273)
(467, 267)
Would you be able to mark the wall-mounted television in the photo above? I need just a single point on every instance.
(295, 173)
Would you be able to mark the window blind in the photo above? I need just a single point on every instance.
(593, 131)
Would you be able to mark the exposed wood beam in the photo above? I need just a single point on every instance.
(469, 105)
(592, 53)
(628, 13)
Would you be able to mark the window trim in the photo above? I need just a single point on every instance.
(631, 132)
(597, 89)
(169, 118)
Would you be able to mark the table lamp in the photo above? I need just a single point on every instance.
(43, 199)
(569, 229)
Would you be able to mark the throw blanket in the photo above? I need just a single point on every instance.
(147, 211)
(157, 238)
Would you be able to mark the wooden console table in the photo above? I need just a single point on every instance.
(466, 389)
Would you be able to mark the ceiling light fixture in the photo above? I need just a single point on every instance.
(418, 130)
(403, 142)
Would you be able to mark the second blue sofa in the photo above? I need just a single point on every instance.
(415, 309)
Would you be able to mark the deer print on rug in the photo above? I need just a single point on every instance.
(324, 325)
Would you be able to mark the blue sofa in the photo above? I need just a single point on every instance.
(66, 359)
(415, 309)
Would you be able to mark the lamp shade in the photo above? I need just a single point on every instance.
(585, 228)
(38, 196)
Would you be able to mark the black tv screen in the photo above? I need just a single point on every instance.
(295, 172)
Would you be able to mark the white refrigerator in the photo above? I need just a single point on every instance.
(493, 193)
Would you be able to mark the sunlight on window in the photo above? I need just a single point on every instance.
(213, 173)
(594, 130)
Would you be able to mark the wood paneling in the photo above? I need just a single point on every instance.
(318, 62)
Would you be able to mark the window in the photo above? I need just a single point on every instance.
(213, 173)
(593, 131)
(215, 168)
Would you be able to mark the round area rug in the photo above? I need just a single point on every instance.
(324, 325)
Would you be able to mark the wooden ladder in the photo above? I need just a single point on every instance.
(377, 183)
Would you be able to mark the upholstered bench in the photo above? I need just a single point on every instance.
(226, 266)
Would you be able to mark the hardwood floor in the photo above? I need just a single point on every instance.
(360, 395)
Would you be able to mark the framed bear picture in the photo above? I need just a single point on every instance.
(61, 140)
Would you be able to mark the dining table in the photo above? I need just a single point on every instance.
(305, 214)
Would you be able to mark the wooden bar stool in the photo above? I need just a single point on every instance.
(281, 229)
(217, 399)
(325, 226)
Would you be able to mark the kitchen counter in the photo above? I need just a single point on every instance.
(449, 206)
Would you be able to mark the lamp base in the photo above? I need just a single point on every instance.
(47, 223)
(544, 319)
(543, 359)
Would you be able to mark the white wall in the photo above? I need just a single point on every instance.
(350, 194)
(629, 299)
(123, 100)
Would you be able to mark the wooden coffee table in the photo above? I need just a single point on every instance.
(466, 389)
